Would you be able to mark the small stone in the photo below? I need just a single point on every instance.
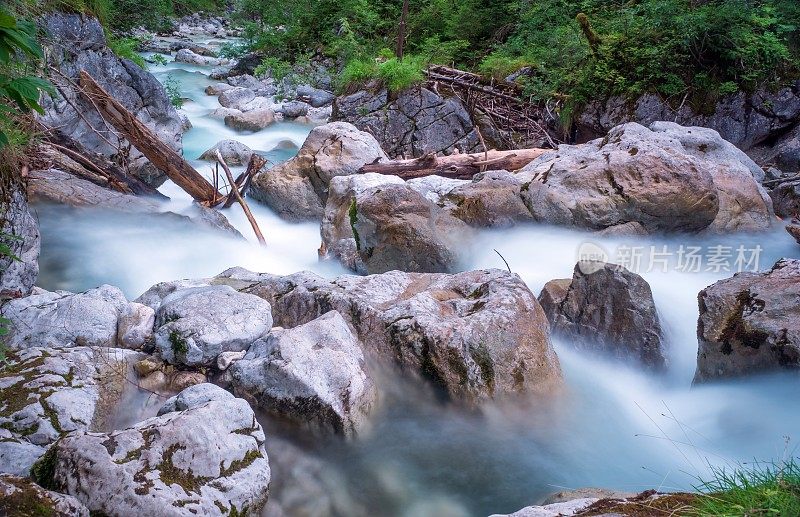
(183, 380)
(225, 359)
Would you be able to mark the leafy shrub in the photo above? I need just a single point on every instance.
(273, 67)
(125, 48)
(173, 88)
(398, 75)
(359, 71)
(500, 66)
(19, 53)
(395, 74)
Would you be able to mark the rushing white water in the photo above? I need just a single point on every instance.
(614, 426)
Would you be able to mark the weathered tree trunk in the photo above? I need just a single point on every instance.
(114, 175)
(401, 32)
(461, 166)
(140, 136)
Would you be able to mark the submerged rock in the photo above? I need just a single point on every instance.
(77, 42)
(45, 393)
(313, 373)
(666, 178)
(57, 186)
(297, 189)
(750, 324)
(478, 334)
(207, 459)
(254, 120)
(606, 308)
(196, 324)
(21, 496)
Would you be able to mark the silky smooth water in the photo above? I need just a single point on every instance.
(614, 426)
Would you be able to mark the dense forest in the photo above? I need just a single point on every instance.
(579, 49)
(573, 50)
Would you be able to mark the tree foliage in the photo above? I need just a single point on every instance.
(576, 49)
(20, 52)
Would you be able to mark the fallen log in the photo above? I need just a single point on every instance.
(458, 166)
(140, 136)
(115, 176)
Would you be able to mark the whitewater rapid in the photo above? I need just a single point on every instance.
(614, 426)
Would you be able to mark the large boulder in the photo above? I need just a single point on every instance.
(196, 324)
(313, 373)
(57, 186)
(236, 97)
(666, 178)
(23, 497)
(491, 199)
(20, 232)
(477, 335)
(750, 324)
(315, 96)
(606, 308)
(395, 227)
(298, 189)
(233, 152)
(186, 55)
(45, 393)
(338, 237)
(749, 121)
(254, 120)
(77, 42)
(207, 459)
(62, 319)
(411, 123)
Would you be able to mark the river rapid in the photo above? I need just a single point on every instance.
(614, 426)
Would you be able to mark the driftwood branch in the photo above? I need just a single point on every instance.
(242, 183)
(160, 154)
(461, 166)
(240, 199)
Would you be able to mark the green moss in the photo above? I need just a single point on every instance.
(44, 470)
(352, 212)
(237, 465)
(170, 474)
(27, 501)
(178, 342)
(480, 354)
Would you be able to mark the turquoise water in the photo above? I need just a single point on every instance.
(613, 426)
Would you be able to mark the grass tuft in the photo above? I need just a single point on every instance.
(759, 489)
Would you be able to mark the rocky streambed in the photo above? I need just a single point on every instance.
(165, 364)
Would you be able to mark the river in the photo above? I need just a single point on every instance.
(614, 426)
